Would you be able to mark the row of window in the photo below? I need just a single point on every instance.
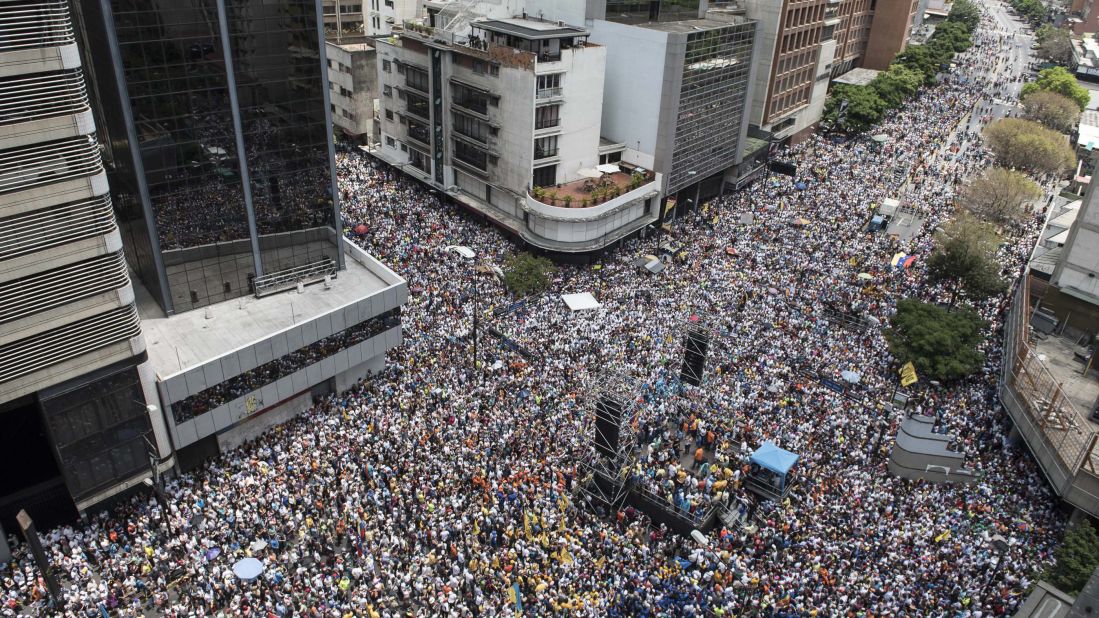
(268, 373)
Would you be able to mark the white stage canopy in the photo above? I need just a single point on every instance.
(580, 302)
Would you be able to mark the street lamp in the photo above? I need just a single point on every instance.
(1000, 544)
(470, 254)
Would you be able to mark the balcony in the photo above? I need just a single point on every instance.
(418, 109)
(547, 123)
(546, 153)
(420, 135)
(549, 93)
(48, 163)
(44, 95)
(475, 105)
(589, 192)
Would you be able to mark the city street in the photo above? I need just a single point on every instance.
(448, 485)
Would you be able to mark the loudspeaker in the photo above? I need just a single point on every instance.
(785, 168)
(695, 347)
(608, 421)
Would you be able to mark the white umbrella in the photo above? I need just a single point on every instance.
(608, 168)
(463, 251)
(587, 172)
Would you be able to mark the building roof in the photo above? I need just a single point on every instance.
(530, 29)
(1046, 262)
(857, 77)
(178, 342)
(1089, 130)
(1045, 601)
(694, 25)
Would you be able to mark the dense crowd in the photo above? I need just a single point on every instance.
(439, 488)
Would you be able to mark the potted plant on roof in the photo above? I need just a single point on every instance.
(568, 201)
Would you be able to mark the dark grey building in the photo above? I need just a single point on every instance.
(219, 144)
(218, 138)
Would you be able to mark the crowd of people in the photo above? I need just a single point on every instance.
(443, 488)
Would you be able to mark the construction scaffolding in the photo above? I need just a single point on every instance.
(699, 336)
(612, 410)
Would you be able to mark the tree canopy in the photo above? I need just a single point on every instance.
(1051, 109)
(999, 195)
(1059, 80)
(941, 344)
(964, 258)
(1024, 144)
(1033, 10)
(1054, 44)
(525, 273)
(864, 107)
(966, 13)
(1077, 556)
(897, 84)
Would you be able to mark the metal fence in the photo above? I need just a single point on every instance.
(1058, 420)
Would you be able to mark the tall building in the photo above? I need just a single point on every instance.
(506, 120)
(353, 86)
(852, 33)
(889, 32)
(794, 65)
(344, 17)
(74, 375)
(222, 163)
(679, 89)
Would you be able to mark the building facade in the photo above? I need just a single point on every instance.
(681, 91)
(506, 120)
(892, 24)
(222, 163)
(795, 64)
(353, 87)
(852, 33)
(344, 17)
(74, 375)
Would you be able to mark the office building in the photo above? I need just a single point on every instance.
(506, 120)
(893, 23)
(852, 33)
(353, 87)
(74, 379)
(678, 91)
(344, 17)
(382, 15)
(221, 157)
(798, 47)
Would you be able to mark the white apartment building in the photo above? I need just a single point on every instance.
(507, 122)
(353, 87)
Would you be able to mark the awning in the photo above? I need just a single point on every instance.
(773, 458)
(654, 266)
(608, 168)
(580, 302)
(465, 252)
(587, 172)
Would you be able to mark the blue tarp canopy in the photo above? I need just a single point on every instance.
(773, 458)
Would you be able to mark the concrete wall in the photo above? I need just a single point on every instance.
(353, 68)
(768, 13)
(1078, 270)
(582, 89)
(888, 32)
(637, 83)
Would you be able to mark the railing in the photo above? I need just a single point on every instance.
(548, 93)
(27, 25)
(40, 351)
(479, 106)
(26, 98)
(43, 164)
(286, 279)
(60, 225)
(547, 123)
(478, 162)
(420, 135)
(54, 288)
(540, 153)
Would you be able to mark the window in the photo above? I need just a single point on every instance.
(613, 157)
(470, 99)
(549, 85)
(404, 148)
(389, 141)
(494, 70)
(419, 132)
(389, 3)
(419, 160)
(545, 147)
(417, 105)
(387, 66)
(547, 116)
(416, 79)
(470, 155)
(389, 114)
(471, 127)
(479, 67)
(545, 176)
(387, 91)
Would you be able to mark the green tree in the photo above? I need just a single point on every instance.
(964, 258)
(525, 273)
(1055, 46)
(952, 35)
(1025, 144)
(999, 195)
(1059, 80)
(925, 59)
(864, 107)
(1051, 109)
(897, 84)
(1077, 557)
(966, 13)
(941, 344)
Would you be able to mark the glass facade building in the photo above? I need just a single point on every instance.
(712, 97)
(216, 114)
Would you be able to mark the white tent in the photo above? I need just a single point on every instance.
(608, 168)
(580, 302)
